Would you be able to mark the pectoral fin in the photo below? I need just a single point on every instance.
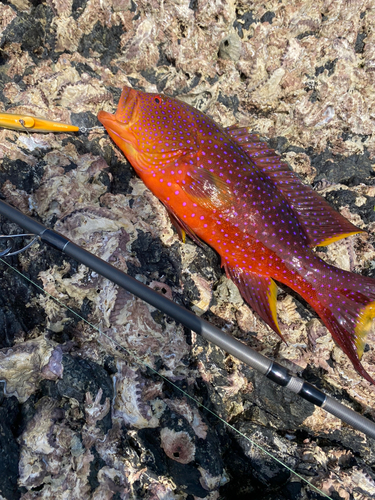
(207, 189)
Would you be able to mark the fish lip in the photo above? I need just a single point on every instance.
(119, 132)
(105, 118)
(108, 121)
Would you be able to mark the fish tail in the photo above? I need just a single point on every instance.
(346, 305)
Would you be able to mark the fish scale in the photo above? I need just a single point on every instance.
(229, 189)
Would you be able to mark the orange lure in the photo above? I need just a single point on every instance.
(26, 123)
(225, 187)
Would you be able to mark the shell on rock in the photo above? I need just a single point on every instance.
(230, 47)
(23, 366)
(177, 445)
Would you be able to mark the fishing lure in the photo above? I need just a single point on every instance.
(227, 188)
(29, 123)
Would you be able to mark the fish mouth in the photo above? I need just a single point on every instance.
(119, 125)
(118, 132)
(105, 118)
(113, 128)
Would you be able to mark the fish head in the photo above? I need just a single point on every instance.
(149, 127)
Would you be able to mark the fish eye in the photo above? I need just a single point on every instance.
(157, 100)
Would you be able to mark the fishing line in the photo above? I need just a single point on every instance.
(142, 363)
(7, 252)
(22, 123)
(98, 128)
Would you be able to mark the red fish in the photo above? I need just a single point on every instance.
(227, 188)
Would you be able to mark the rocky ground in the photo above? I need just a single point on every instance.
(81, 418)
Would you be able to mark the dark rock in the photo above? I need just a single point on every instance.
(81, 376)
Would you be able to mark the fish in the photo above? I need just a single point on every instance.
(227, 188)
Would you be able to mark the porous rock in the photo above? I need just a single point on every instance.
(83, 411)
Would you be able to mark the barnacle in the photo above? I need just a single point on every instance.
(178, 445)
(230, 47)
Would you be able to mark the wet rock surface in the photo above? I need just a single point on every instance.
(82, 417)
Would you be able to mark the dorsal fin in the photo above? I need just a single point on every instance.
(321, 223)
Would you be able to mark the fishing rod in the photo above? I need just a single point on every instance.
(270, 369)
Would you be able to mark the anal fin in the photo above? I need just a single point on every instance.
(259, 292)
